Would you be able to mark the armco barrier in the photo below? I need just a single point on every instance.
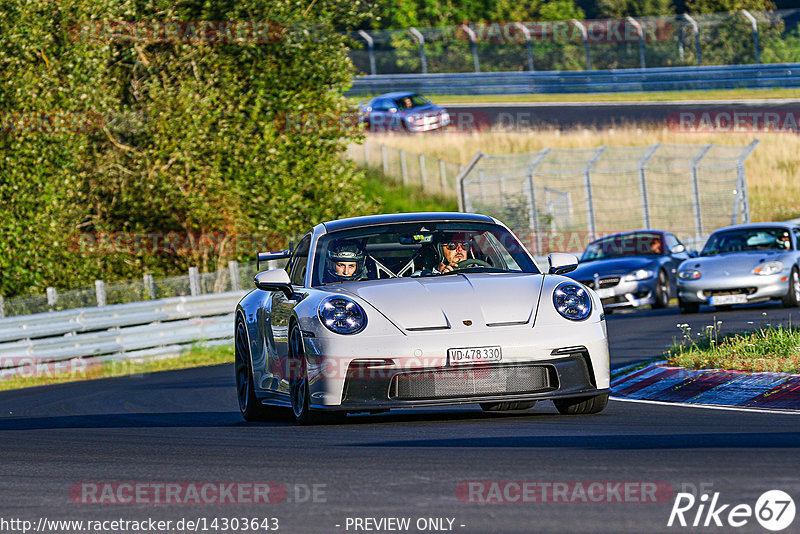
(619, 80)
(116, 330)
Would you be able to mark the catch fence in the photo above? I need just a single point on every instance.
(560, 199)
(730, 38)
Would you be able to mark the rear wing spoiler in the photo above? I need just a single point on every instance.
(279, 255)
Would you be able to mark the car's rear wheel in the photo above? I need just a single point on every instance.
(506, 406)
(299, 389)
(582, 405)
(249, 405)
(662, 291)
(792, 297)
(688, 307)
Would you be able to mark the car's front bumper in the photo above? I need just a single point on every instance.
(754, 287)
(629, 294)
(365, 389)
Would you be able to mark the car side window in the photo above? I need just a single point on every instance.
(671, 241)
(297, 270)
(382, 105)
(796, 232)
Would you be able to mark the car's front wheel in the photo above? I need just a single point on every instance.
(249, 405)
(299, 389)
(582, 405)
(792, 297)
(506, 406)
(662, 291)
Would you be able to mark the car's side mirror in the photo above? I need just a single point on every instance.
(677, 249)
(693, 253)
(274, 280)
(561, 263)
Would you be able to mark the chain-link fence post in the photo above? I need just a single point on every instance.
(100, 292)
(587, 183)
(744, 204)
(149, 286)
(696, 30)
(371, 49)
(403, 167)
(463, 205)
(421, 40)
(443, 176)
(384, 160)
(2, 307)
(533, 212)
(422, 170)
(698, 214)
(194, 281)
(52, 296)
(233, 269)
(585, 36)
(643, 184)
(638, 27)
(754, 22)
(527, 34)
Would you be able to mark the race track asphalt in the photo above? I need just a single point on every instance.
(184, 426)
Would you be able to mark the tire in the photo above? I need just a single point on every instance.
(792, 297)
(506, 406)
(249, 405)
(299, 390)
(688, 307)
(662, 291)
(582, 405)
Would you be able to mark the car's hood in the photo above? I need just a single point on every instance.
(445, 301)
(611, 267)
(429, 109)
(733, 263)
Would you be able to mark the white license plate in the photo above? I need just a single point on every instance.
(605, 293)
(474, 354)
(724, 300)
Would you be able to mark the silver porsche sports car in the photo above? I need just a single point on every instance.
(743, 264)
(417, 309)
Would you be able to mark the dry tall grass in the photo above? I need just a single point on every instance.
(773, 170)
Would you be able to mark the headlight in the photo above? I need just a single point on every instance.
(771, 267)
(641, 274)
(689, 274)
(342, 316)
(445, 116)
(412, 119)
(572, 301)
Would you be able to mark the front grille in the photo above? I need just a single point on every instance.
(471, 381)
(609, 281)
(733, 291)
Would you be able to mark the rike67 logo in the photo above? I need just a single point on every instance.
(774, 510)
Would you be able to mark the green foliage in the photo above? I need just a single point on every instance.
(765, 349)
(203, 147)
(391, 197)
(635, 8)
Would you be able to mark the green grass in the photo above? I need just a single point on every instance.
(765, 349)
(655, 96)
(198, 356)
(392, 197)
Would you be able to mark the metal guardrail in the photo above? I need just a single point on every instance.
(115, 330)
(618, 80)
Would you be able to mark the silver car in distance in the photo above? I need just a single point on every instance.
(743, 264)
(417, 309)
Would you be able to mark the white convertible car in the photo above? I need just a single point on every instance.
(417, 309)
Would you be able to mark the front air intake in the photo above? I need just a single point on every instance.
(471, 381)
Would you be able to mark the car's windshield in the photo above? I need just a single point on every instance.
(617, 246)
(417, 250)
(410, 101)
(747, 239)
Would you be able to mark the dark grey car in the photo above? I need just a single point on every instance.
(633, 269)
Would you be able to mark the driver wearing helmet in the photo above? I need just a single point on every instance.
(345, 262)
